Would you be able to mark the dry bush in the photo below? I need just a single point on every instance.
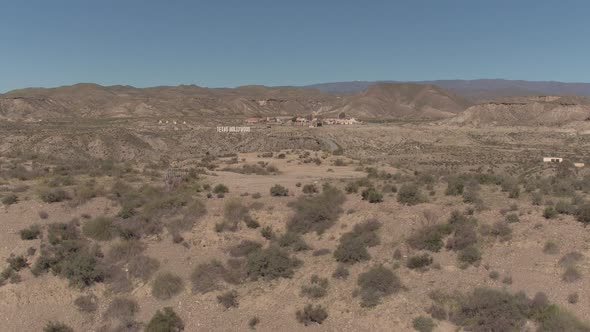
(125, 251)
(317, 288)
(206, 276)
(311, 315)
(117, 280)
(321, 252)
(551, 248)
(410, 194)
(469, 255)
(244, 248)
(167, 285)
(571, 274)
(228, 299)
(143, 267)
(341, 272)
(121, 308)
(234, 211)
(86, 303)
(100, 229)
(570, 259)
(293, 241)
(429, 237)
(500, 230)
(464, 235)
(310, 189)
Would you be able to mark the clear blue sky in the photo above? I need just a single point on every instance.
(231, 43)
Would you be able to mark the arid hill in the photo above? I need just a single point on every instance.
(526, 111)
(475, 90)
(410, 101)
(95, 101)
(404, 101)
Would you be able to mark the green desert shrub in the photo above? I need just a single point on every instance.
(429, 237)
(9, 199)
(372, 195)
(100, 229)
(583, 213)
(54, 326)
(423, 324)
(270, 263)
(485, 309)
(267, 233)
(311, 315)
(353, 245)
(410, 194)
(317, 288)
(310, 189)
(167, 285)
(455, 186)
(31, 233)
(341, 272)
(491, 310)
(53, 195)
(292, 240)
(220, 189)
(549, 212)
(277, 190)
(537, 198)
(377, 283)
(512, 218)
(419, 261)
(165, 321)
(469, 255)
(318, 213)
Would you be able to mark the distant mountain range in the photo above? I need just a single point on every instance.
(475, 90)
(477, 102)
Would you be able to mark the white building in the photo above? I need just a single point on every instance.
(552, 160)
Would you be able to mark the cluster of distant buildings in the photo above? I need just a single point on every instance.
(303, 121)
(558, 160)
